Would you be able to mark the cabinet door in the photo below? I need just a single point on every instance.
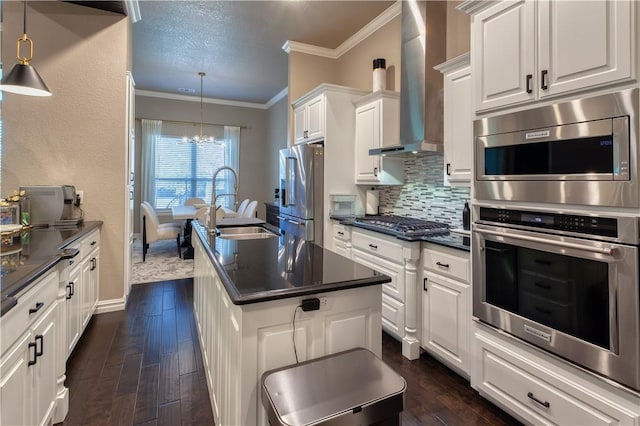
(458, 126)
(445, 319)
(315, 118)
(95, 282)
(578, 53)
(503, 54)
(73, 306)
(85, 292)
(44, 380)
(15, 383)
(299, 124)
(367, 137)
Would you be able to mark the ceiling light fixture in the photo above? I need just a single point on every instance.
(201, 138)
(23, 79)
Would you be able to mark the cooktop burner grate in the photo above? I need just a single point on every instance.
(401, 225)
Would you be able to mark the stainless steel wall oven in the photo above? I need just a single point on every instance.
(581, 152)
(565, 282)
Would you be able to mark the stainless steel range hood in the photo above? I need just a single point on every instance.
(424, 31)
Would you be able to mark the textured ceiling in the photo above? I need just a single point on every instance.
(238, 44)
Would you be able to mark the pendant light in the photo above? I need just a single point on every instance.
(200, 139)
(23, 79)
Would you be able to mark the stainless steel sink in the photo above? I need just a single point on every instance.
(245, 233)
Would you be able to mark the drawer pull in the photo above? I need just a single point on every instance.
(373, 246)
(424, 284)
(444, 265)
(41, 351)
(71, 262)
(35, 354)
(93, 243)
(39, 306)
(542, 285)
(545, 404)
(340, 233)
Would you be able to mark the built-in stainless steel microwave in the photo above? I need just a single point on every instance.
(581, 152)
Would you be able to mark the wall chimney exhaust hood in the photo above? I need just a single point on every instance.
(424, 31)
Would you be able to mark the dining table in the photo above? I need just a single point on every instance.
(186, 213)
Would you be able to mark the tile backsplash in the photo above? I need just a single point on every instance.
(424, 195)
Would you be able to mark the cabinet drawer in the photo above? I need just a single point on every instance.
(377, 246)
(89, 243)
(37, 299)
(393, 316)
(396, 287)
(341, 232)
(539, 396)
(446, 263)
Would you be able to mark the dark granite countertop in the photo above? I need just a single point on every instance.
(32, 254)
(260, 270)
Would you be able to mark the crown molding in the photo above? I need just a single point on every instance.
(378, 22)
(452, 64)
(282, 94)
(176, 97)
(471, 7)
(295, 46)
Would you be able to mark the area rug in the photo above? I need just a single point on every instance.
(162, 263)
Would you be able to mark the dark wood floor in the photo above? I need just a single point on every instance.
(143, 366)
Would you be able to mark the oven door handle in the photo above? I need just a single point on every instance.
(608, 251)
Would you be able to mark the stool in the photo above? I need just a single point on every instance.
(351, 387)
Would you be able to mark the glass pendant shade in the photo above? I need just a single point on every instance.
(23, 79)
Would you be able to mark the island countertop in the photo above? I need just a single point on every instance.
(38, 250)
(260, 270)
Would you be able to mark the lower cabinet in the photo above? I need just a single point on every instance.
(446, 306)
(28, 379)
(540, 390)
(73, 308)
(341, 242)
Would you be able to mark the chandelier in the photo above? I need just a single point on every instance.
(202, 138)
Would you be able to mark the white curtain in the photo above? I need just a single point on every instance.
(151, 131)
(231, 157)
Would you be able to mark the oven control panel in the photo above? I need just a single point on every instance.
(604, 226)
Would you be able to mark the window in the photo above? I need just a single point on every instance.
(185, 170)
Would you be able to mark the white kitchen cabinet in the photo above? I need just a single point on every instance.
(309, 120)
(396, 259)
(73, 308)
(29, 359)
(446, 306)
(458, 120)
(129, 181)
(378, 125)
(90, 276)
(341, 239)
(526, 50)
(540, 389)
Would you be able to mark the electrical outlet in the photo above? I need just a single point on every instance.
(79, 197)
(323, 301)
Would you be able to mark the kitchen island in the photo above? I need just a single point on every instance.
(247, 304)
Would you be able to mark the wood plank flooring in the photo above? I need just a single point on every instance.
(143, 366)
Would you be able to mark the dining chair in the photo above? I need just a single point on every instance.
(201, 212)
(241, 208)
(250, 211)
(153, 230)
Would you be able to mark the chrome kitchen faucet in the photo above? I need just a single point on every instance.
(214, 198)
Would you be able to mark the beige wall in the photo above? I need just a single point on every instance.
(355, 68)
(458, 31)
(76, 136)
(254, 180)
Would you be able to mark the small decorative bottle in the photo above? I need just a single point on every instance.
(466, 217)
(379, 74)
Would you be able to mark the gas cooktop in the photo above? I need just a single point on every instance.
(401, 226)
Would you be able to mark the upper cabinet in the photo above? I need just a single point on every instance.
(378, 125)
(458, 120)
(309, 120)
(527, 50)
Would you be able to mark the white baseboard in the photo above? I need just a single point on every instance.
(112, 305)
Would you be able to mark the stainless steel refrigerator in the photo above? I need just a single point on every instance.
(301, 191)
